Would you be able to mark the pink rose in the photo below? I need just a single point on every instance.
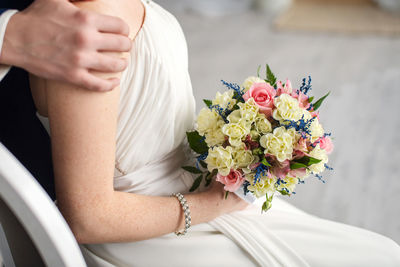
(263, 95)
(326, 143)
(232, 181)
(287, 89)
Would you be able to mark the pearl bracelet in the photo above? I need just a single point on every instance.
(186, 211)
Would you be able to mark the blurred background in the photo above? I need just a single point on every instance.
(349, 47)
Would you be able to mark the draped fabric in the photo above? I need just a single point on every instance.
(157, 107)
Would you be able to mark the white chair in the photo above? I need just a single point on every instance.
(36, 232)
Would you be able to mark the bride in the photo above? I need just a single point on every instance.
(117, 158)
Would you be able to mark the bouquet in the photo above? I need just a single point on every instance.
(259, 139)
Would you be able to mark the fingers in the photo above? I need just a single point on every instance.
(105, 63)
(92, 82)
(113, 42)
(111, 24)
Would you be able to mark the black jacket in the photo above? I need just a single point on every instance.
(20, 130)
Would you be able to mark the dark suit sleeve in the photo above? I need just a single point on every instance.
(15, 4)
(21, 131)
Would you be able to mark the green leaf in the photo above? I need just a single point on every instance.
(304, 161)
(235, 107)
(258, 71)
(265, 162)
(308, 160)
(203, 164)
(212, 174)
(208, 179)
(317, 104)
(191, 169)
(196, 142)
(226, 194)
(196, 183)
(297, 165)
(284, 192)
(207, 102)
(310, 99)
(271, 79)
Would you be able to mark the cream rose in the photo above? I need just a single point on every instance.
(316, 130)
(215, 137)
(321, 154)
(234, 116)
(235, 131)
(220, 158)
(306, 114)
(262, 124)
(254, 134)
(207, 120)
(242, 158)
(287, 108)
(263, 186)
(224, 100)
(295, 135)
(279, 143)
(290, 185)
(249, 82)
(248, 110)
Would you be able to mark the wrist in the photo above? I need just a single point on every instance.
(215, 202)
(11, 52)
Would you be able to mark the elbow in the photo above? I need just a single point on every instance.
(82, 236)
(88, 225)
(83, 231)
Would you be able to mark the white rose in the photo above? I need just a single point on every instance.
(234, 116)
(254, 134)
(321, 154)
(249, 82)
(207, 120)
(220, 158)
(316, 130)
(224, 100)
(215, 136)
(242, 158)
(262, 124)
(306, 115)
(246, 125)
(279, 143)
(290, 185)
(287, 108)
(295, 135)
(248, 110)
(262, 187)
(235, 131)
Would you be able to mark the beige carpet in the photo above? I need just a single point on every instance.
(351, 16)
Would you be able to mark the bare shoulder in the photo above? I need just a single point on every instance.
(131, 11)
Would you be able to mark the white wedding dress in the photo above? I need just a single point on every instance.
(157, 107)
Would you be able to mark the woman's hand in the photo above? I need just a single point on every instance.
(229, 204)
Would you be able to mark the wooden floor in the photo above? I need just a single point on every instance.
(363, 74)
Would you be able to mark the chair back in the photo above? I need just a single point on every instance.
(36, 232)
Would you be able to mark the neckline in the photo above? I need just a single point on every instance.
(144, 23)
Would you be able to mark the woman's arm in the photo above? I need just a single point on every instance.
(83, 133)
